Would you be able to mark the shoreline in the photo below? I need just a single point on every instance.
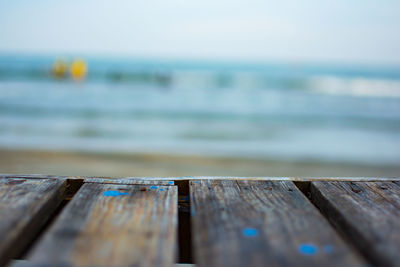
(161, 165)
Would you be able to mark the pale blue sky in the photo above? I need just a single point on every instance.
(260, 30)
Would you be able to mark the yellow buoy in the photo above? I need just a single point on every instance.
(59, 69)
(78, 69)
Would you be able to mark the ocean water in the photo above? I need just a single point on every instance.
(278, 111)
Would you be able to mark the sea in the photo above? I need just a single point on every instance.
(289, 111)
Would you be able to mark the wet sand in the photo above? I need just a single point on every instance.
(120, 165)
(157, 165)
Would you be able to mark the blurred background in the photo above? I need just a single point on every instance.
(182, 88)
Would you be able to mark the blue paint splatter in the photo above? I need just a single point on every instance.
(171, 182)
(250, 232)
(161, 189)
(328, 249)
(114, 193)
(308, 249)
(196, 182)
(153, 187)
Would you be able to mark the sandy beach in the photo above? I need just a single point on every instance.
(157, 165)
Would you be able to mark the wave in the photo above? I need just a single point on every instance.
(377, 82)
(355, 86)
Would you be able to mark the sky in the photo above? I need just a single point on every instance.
(359, 31)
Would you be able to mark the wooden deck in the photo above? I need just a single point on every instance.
(203, 221)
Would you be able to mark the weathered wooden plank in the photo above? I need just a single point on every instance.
(41, 176)
(113, 225)
(144, 180)
(25, 205)
(368, 213)
(130, 181)
(92, 179)
(261, 223)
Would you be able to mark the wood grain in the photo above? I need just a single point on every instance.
(25, 205)
(101, 228)
(367, 212)
(261, 223)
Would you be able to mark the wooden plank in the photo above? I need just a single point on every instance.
(113, 225)
(46, 176)
(131, 181)
(260, 223)
(92, 179)
(86, 178)
(368, 213)
(25, 205)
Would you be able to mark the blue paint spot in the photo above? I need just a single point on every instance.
(161, 189)
(114, 193)
(153, 187)
(308, 249)
(250, 232)
(328, 249)
(171, 182)
(196, 182)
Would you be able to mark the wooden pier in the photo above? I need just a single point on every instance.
(199, 221)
